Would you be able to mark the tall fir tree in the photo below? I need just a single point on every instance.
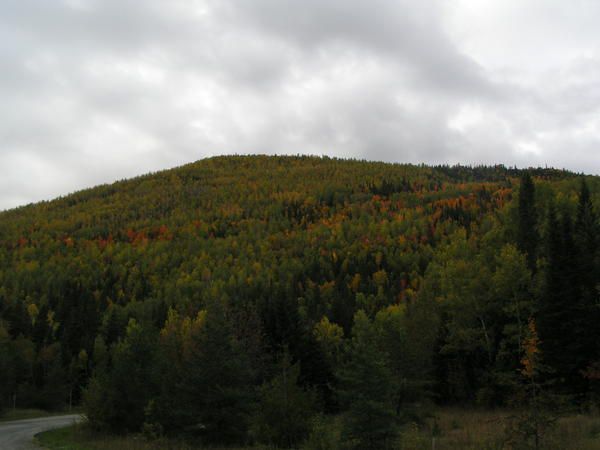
(117, 396)
(550, 308)
(559, 315)
(586, 271)
(527, 236)
(366, 390)
(214, 390)
(586, 241)
(285, 409)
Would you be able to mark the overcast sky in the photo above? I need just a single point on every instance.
(97, 90)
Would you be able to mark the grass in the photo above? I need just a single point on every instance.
(456, 428)
(79, 437)
(471, 429)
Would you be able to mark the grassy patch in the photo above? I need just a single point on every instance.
(62, 438)
(455, 429)
(485, 430)
(79, 437)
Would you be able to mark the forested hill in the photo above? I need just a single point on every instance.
(452, 266)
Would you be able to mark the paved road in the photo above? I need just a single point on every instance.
(18, 434)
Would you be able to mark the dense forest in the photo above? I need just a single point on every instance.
(247, 299)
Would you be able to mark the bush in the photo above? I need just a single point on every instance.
(285, 409)
(325, 434)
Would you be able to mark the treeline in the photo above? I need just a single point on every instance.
(247, 299)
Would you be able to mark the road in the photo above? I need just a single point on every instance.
(18, 434)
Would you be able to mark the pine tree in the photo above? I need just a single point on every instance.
(7, 369)
(214, 387)
(586, 273)
(366, 390)
(285, 409)
(559, 317)
(550, 305)
(586, 241)
(527, 237)
(116, 398)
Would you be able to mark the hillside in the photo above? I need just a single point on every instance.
(449, 265)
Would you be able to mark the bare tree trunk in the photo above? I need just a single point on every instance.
(487, 340)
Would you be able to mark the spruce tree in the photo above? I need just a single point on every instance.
(527, 237)
(586, 241)
(285, 408)
(586, 272)
(7, 369)
(116, 398)
(215, 396)
(551, 306)
(366, 390)
(559, 315)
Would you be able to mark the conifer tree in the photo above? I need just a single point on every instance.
(366, 390)
(116, 399)
(586, 271)
(550, 305)
(215, 396)
(7, 369)
(586, 241)
(559, 316)
(285, 409)
(527, 237)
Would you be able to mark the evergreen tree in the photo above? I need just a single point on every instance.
(215, 396)
(366, 390)
(116, 398)
(559, 318)
(586, 241)
(587, 267)
(41, 330)
(285, 409)
(527, 237)
(551, 304)
(7, 370)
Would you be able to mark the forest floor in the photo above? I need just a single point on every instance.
(456, 428)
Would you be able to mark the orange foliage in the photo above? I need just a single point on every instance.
(532, 351)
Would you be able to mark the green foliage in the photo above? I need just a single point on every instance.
(7, 370)
(527, 235)
(366, 390)
(325, 434)
(285, 410)
(116, 398)
(446, 265)
(213, 393)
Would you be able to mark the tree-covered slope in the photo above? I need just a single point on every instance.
(294, 247)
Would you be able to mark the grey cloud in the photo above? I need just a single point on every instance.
(95, 91)
(405, 33)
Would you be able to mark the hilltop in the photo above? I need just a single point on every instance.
(449, 264)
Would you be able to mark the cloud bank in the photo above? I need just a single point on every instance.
(97, 90)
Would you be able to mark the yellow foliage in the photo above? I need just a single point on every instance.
(355, 283)
(532, 351)
(82, 357)
(380, 278)
(51, 322)
(33, 312)
(329, 336)
(171, 324)
(190, 328)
